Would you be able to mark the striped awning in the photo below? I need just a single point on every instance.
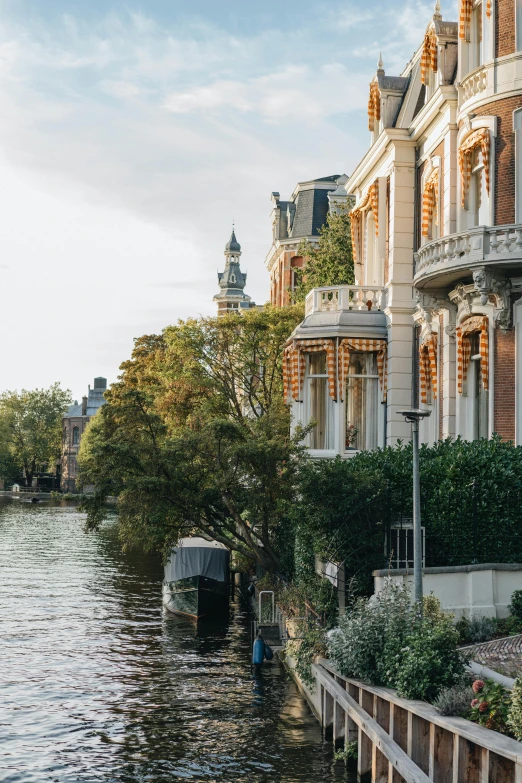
(428, 367)
(429, 58)
(476, 323)
(370, 201)
(479, 139)
(429, 201)
(374, 105)
(351, 344)
(294, 366)
(466, 9)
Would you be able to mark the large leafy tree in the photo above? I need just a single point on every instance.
(195, 437)
(330, 260)
(31, 429)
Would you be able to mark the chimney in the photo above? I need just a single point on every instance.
(84, 406)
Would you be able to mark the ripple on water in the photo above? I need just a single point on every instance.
(100, 686)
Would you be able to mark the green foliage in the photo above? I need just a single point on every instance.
(455, 700)
(509, 626)
(195, 437)
(491, 705)
(330, 260)
(350, 751)
(476, 629)
(31, 430)
(347, 505)
(515, 607)
(309, 645)
(386, 641)
(514, 720)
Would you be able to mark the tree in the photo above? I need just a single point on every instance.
(31, 428)
(195, 437)
(330, 261)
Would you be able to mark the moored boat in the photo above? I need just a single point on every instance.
(197, 579)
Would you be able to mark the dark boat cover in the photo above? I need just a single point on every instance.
(198, 557)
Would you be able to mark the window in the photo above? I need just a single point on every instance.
(320, 404)
(475, 396)
(517, 127)
(371, 255)
(76, 436)
(475, 54)
(362, 402)
(478, 199)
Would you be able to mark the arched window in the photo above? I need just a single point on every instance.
(76, 436)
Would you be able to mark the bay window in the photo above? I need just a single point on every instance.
(320, 404)
(362, 402)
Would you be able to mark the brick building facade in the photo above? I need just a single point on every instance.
(435, 316)
(75, 422)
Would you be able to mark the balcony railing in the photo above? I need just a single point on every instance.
(473, 84)
(468, 248)
(344, 297)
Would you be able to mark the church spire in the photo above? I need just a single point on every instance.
(232, 281)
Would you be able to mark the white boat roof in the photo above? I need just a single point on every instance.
(193, 541)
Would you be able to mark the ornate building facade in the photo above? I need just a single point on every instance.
(435, 317)
(75, 422)
(232, 282)
(300, 218)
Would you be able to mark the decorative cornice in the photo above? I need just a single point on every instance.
(490, 283)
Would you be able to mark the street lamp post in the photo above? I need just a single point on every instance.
(413, 417)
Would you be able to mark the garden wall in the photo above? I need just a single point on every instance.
(481, 590)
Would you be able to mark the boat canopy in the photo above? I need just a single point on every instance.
(198, 557)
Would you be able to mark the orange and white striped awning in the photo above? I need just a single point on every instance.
(476, 323)
(479, 139)
(370, 201)
(351, 344)
(428, 367)
(466, 9)
(294, 366)
(374, 105)
(429, 58)
(430, 197)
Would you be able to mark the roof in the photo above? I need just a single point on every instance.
(95, 400)
(233, 245)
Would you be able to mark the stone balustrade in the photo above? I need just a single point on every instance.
(473, 84)
(344, 297)
(476, 246)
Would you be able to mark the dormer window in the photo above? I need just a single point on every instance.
(429, 62)
(232, 278)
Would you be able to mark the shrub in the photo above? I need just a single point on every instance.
(476, 629)
(509, 626)
(514, 720)
(430, 659)
(310, 644)
(491, 704)
(385, 640)
(455, 700)
(515, 607)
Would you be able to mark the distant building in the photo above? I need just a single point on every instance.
(74, 423)
(232, 281)
(302, 217)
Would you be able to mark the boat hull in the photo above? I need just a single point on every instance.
(196, 597)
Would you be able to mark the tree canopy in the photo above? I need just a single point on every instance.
(31, 429)
(330, 260)
(195, 436)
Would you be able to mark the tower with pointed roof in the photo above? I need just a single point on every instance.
(232, 297)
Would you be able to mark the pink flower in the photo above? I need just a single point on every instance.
(475, 702)
(477, 686)
(483, 706)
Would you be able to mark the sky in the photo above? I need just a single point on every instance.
(132, 135)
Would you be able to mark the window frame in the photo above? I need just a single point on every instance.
(329, 409)
(378, 429)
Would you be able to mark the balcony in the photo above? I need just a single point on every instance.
(446, 260)
(338, 298)
(344, 311)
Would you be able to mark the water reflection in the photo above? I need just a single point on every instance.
(98, 685)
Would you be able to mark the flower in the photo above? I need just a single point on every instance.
(477, 686)
(483, 706)
(475, 702)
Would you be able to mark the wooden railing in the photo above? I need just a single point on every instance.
(406, 740)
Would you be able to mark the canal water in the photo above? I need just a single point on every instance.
(99, 685)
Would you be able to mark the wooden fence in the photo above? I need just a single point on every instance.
(402, 740)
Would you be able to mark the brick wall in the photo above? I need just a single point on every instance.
(504, 156)
(504, 389)
(505, 42)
